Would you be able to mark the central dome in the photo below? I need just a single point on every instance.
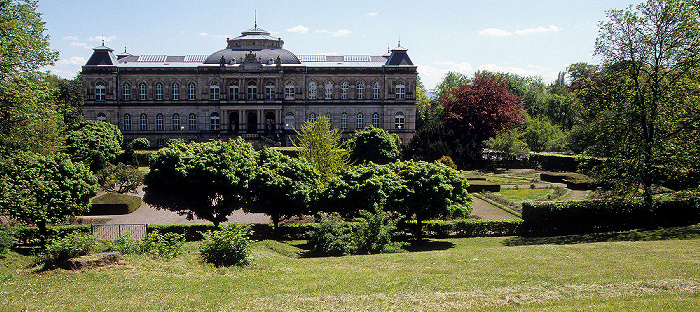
(254, 40)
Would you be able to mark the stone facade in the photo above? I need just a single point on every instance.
(253, 88)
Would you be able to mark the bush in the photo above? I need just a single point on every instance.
(7, 238)
(331, 236)
(166, 246)
(447, 161)
(229, 246)
(27, 235)
(371, 233)
(191, 232)
(126, 245)
(140, 144)
(467, 227)
(73, 245)
(574, 181)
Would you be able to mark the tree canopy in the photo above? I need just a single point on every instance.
(374, 144)
(94, 143)
(318, 143)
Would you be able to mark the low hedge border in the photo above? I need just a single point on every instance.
(114, 204)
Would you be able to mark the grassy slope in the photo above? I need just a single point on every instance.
(458, 274)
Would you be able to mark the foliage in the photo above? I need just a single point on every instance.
(429, 190)
(142, 143)
(375, 145)
(28, 235)
(94, 143)
(331, 236)
(364, 187)
(447, 161)
(371, 233)
(451, 81)
(467, 227)
(282, 186)
(509, 143)
(229, 246)
(433, 140)
(540, 135)
(36, 189)
(204, 180)
(648, 105)
(479, 111)
(126, 245)
(73, 245)
(114, 203)
(68, 98)
(120, 178)
(23, 46)
(166, 246)
(318, 144)
(7, 238)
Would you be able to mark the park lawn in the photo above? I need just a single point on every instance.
(450, 274)
(506, 180)
(519, 196)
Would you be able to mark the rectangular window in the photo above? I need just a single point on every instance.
(191, 92)
(176, 92)
(289, 92)
(400, 92)
(233, 92)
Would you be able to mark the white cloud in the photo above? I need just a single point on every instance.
(338, 33)
(298, 29)
(371, 14)
(71, 38)
(530, 70)
(496, 32)
(203, 34)
(536, 30)
(100, 38)
(75, 60)
(78, 44)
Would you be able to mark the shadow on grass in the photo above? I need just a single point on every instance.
(686, 232)
(428, 245)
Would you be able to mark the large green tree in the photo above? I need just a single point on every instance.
(318, 143)
(94, 143)
(364, 187)
(374, 144)
(205, 180)
(38, 189)
(651, 51)
(282, 186)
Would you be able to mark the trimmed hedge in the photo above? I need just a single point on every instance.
(605, 215)
(143, 157)
(114, 204)
(28, 235)
(574, 181)
(466, 227)
(193, 232)
(478, 186)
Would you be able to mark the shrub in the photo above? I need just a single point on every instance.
(447, 161)
(73, 245)
(371, 233)
(7, 238)
(331, 236)
(468, 227)
(140, 144)
(126, 245)
(29, 234)
(228, 246)
(166, 246)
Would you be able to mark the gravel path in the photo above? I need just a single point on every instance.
(484, 210)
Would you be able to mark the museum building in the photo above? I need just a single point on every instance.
(253, 88)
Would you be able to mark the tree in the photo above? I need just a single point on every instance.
(540, 135)
(120, 178)
(318, 143)
(478, 111)
(95, 143)
(140, 144)
(374, 144)
(283, 187)
(204, 180)
(429, 190)
(654, 49)
(68, 98)
(509, 143)
(23, 46)
(364, 187)
(38, 189)
(452, 80)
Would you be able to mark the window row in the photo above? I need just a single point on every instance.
(214, 122)
(399, 120)
(251, 91)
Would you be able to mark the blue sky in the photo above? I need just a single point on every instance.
(530, 38)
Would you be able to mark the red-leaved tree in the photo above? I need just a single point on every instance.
(478, 111)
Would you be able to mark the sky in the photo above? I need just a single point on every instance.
(524, 37)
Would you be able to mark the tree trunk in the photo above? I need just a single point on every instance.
(43, 233)
(419, 229)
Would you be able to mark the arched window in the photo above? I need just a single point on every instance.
(329, 91)
(252, 91)
(312, 90)
(330, 118)
(289, 91)
(192, 122)
(312, 117)
(214, 92)
(100, 91)
(191, 92)
(343, 121)
(159, 91)
(126, 92)
(143, 122)
(289, 121)
(360, 92)
(360, 121)
(400, 91)
(175, 122)
(214, 121)
(399, 121)
(376, 91)
(127, 122)
(233, 91)
(344, 90)
(270, 91)
(175, 91)
(375, 120)
(101, 117)
(143, 95)
(159, 122)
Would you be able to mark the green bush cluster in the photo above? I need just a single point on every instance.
(166, 246)
(228, 246)
(29, 235)
(370, 233)
(603, 215)
(140, 144)
(72, 245)
(558, 162)
(7, 238)
(468, 227)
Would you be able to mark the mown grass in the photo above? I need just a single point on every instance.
(519, 196)
(451, 274)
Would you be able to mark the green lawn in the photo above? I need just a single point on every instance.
(451, 274)
(519, 196)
